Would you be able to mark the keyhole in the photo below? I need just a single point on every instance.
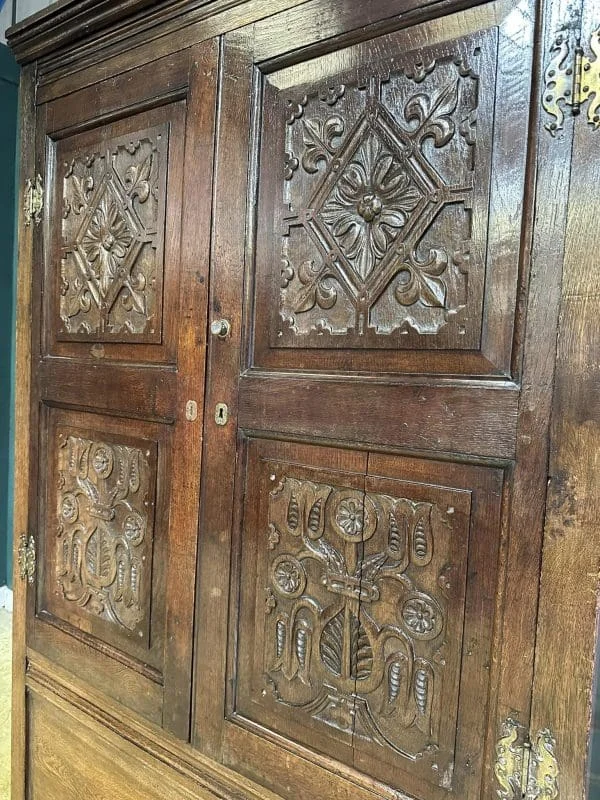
(221, 414)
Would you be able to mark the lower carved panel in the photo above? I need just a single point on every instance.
(355, 635)
(104, 559)
(359, 605)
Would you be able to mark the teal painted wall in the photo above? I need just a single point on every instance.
(9, 78)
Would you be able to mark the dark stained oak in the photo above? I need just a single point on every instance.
(432, 416)
(119, 324)
(570, 562)
(306, 411)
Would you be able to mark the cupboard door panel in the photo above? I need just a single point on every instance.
(356, 638)
(434, 557)
(380, 202)
(118, 334)
(104, 526)
(112, 274)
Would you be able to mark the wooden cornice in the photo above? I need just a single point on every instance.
(63, 24)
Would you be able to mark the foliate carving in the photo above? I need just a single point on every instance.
(104, 529)
(354, 635)
(111, 273)
(378, 197)
(369, 205)
(321, 140)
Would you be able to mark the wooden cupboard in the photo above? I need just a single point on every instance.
(306, 491)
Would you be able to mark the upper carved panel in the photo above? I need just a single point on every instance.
(104, 534)
(112, 221)
(357, 629)
(384, 182)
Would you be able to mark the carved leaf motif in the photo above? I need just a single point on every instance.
(328, 554)
(421, 690)
(421, 281)
(301, 637)
(396, 537)
(359, 647)
(320, 141)
(369, 567)
(394, 681)
(432, 114)
(314, 516)
(332, 644)
(362, 652)
(422, 535)
(314, 288)
(81, 188)
(293, 514)
(137, 178)
(280, 637)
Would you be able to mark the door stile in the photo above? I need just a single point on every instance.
(568, 611)
(23, 592)
(547, 189)
(191, 357)
(223, 365)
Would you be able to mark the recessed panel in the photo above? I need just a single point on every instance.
(356, 612)
(112, 271)
(377, 228)
(105, 527)
(103, 533)
(112, 221)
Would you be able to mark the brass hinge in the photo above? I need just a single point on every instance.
(570, 81)
(26, 557)
(34, 200)
(525, 769)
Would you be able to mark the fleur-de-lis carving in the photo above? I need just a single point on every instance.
(321, 141)
(433, 114)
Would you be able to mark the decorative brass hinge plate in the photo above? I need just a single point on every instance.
(571, 80)
(26, 557)
(525, 769)
(34, 200)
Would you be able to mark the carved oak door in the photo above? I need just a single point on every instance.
(379, 478)
(118, 379)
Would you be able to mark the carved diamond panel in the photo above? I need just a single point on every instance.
(112, 220)
(381, 199)
(104, 532)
